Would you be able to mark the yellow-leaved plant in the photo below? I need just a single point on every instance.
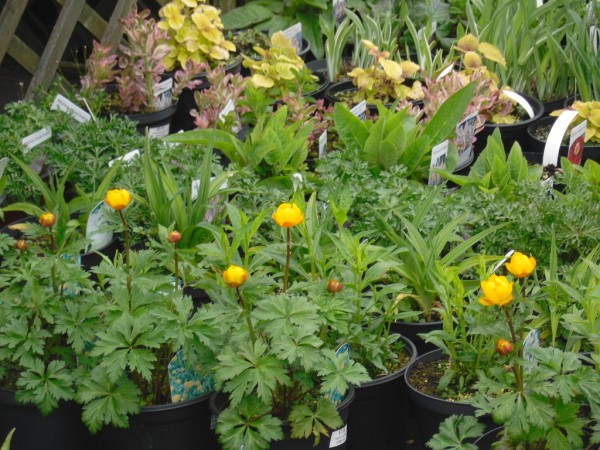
(589, 111)
(195, 33)
(385, 80)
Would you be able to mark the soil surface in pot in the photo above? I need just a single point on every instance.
(426, 376)
(541, 133)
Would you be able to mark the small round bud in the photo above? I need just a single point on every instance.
(174, 237)
(47, 219)
(21, 245)
(504, 347)
(334, 286)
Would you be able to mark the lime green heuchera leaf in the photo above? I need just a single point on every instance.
(391, 68)
(492, 53)
(259, 80)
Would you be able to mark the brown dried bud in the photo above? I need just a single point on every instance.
(334, 286)
(21, 245)
(174, 237)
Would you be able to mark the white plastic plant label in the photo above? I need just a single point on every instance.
(339, 10)
(99, 239)
(555, 137)
(360, 110)
(37, 138)
(445, 72)
(465, 131)
(61, 103)
(323, 144)
(229, 107)
(539, 3)
(338, 437)
(163, 94)
(3, 164)
(532, 340)
(127, 157)
(158, 132)
(502, 261)
(522, 101)
(439, 154)
(294, 34)
(577, 142)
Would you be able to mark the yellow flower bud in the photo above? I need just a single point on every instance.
(235, 276)
(520, 265)
(288, 215)
(118, 199)
(174, 237)
(497, 290)
(504, 347)
(47, 219)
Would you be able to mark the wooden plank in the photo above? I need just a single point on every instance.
(9, 20)
(23, 54)
(114, 30)
(67, 19)
(90, 19)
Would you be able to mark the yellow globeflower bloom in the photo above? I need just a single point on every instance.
(47, 219)
(235, 276)
(118, 199)
(520, 265)
(497, 290)
(288, 215)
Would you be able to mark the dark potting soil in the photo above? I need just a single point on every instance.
(425, 377)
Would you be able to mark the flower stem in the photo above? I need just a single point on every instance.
(53, 270)
(176, 267)
(517, 369)
(246, 315)
(287, 260)
(127, 251)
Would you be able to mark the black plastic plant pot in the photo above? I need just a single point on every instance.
(182, 426)
(182, 120)
(510, 132)
(432, 411)
(555, 105)
(380, 416)
(157, 123)
(535, 149)
(62, 429)
(411, 330)
(337, 438)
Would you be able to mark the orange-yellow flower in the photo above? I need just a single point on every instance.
(47, 219)
(288, 215)
(504, 347)
(235, 276)
(118, 199)
(174, 237)
(497, 290)
(520, 265)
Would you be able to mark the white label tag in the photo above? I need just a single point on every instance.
(35, 139)
(577, 142)
(323, 144)
(229, 107)
(555, 137)
(62, 103)
(521, 101)
(464, 141)
(163, 94)
(338, 437)
(294, 33)
(502, 261)
(439, 154)
(158, 132)
(99, 240)
(360, 110)
(532, 340)
(125, 158)
(539, 3)
(3, 164)
(339, 11)
(445, 72)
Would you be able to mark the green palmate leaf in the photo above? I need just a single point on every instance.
(454, 431)
(45, 386)
(249, 425)
(250, 370)
(107, 402)
(127, 343)
(316, 422)
(298, 346)
(245, 16)
(21, 339)
(282, 314)
(338, 373)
